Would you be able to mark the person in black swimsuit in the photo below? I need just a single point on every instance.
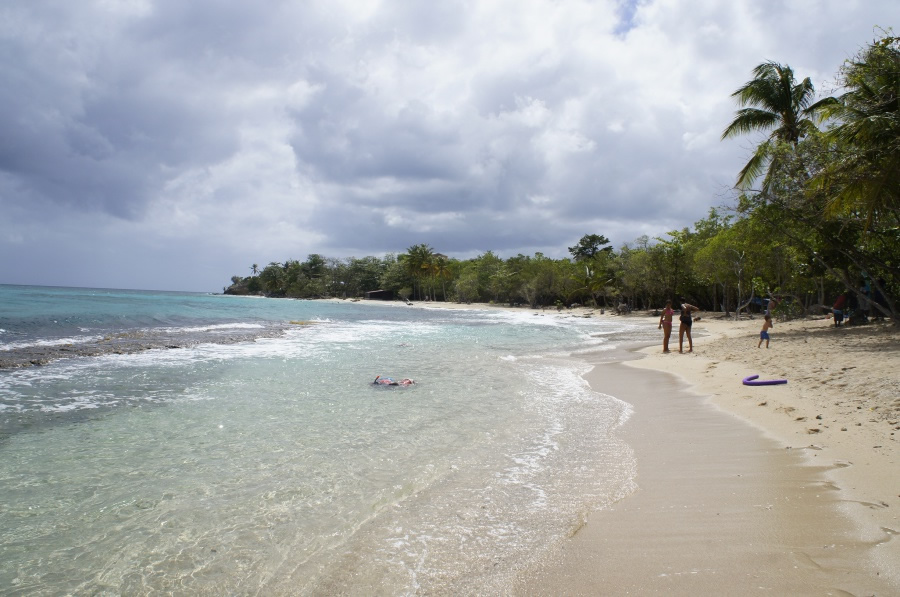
(685, 327)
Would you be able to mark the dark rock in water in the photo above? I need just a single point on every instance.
(130, 342)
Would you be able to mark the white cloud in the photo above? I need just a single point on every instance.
(222, 133)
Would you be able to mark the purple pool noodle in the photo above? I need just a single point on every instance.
(748, 381)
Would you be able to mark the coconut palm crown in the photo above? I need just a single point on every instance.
(771, 101)
(868, 128)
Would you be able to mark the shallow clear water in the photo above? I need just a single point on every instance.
(274, 466)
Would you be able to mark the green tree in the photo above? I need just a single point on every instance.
(842, 244)
(441, 268)
(771, 101)
(466, 285)
(417, 261)
(866, 177)
(394, 276)
(314, 266)
(634, 273)
(670, 263)
(714, 266)
(496, 278)
(593, 256)
(293, 279)
(361, 275)
(271, 278)
(589, 247)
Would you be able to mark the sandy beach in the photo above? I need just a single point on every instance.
(777, 489)
(783, 489)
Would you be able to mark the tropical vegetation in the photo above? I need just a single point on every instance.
(823, 220)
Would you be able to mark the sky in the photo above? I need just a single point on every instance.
(170, 145)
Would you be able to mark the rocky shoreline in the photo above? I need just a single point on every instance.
(128, 342)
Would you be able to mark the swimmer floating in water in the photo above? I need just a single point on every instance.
(387, 381)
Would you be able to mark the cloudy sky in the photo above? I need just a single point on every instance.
(171, 144)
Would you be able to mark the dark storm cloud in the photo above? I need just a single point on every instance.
(346, 136)
(95, 122)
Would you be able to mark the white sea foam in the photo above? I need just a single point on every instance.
(50, 342)
(216, 327)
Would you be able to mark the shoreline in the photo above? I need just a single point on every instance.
(840, 408)
(719, 509)
(820, 512)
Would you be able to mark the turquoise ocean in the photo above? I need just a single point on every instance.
(188, 443)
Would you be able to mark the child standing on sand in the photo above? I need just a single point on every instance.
(764, 334)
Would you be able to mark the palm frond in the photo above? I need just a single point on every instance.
(802, 94)
(823, 109)
(755, 166)
(749, 120)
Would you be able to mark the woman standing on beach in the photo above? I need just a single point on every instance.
(665, 322)
(685, 327)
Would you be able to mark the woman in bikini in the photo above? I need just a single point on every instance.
(685, 327)
(665, 323)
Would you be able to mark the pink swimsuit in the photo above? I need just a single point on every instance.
(668, 314)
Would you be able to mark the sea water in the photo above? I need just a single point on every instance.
(208, 444)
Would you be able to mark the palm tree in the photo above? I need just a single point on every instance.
(771, 101)
(417, 261)
(869, 133)
(441, 269)
(272, 277)
(254, 269)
